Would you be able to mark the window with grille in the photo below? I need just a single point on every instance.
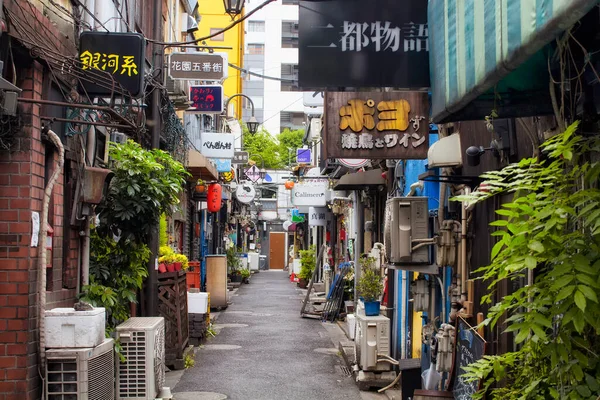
(256, 26)
(289, 74)
(220, 37)
(256, 48)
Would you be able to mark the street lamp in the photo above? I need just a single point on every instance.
(253, 123)
(233, 7)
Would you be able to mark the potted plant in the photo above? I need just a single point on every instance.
(166, 259)
(233, 265)
(245, 276)
(369, 286)
(307, 266)
(200, 186)
(181, 262)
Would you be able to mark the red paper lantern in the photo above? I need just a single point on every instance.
(342, 234)
(289, 185)
(213, 198)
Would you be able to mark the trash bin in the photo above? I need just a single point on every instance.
(263, 263)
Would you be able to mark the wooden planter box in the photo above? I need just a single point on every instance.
(172, 306)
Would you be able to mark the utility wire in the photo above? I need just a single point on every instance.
(262, 76)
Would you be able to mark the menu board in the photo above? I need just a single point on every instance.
(470, 347)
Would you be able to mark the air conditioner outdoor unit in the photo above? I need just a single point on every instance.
(82, 373)
(142, 375)
(177, 87)
(406, 227)
(118, 137)
(372, 341)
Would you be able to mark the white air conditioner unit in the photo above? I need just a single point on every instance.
(118, 137)
(406, 226)
(372, 340)
(142, 375)
(177, 87)
(316, 124)
(82, 373)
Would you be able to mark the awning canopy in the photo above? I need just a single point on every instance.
(490, 54)
(200, 166)
(360, 180)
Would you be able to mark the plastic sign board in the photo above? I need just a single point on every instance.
(310, 192)
(240, 157)
(318, 216)
(253, 173)
(303, 156)
(107, 56)
(206, 99)
(296, 216)
(217, 145)
(198, 66)
(223, 165)
(245, 193)
(353, 163)
(361, 44)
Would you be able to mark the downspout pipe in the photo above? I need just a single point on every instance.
(463, 247)
(42, 253)
(85, 250)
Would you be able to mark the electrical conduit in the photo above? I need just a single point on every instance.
(42, 253)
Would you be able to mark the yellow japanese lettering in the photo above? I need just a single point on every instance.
(393, 115)
(357, 115)
(86, 59)
(128, 67)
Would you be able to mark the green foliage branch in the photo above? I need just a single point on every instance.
(308, 262)
(369, 286)
(551, 227)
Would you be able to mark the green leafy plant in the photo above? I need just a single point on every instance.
(188, 361)
(369, 285)
(163, 237)
(233, 262)
(245, 273)
(117, 271)
(146, 184)
(551, 230)
(307, 263)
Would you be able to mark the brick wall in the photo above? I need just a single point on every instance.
(22, 181)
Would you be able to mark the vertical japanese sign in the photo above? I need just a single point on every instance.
(376, 125)
(206, 99)
(318, 216)
(198, 66)
(105, 56)
(353, 43)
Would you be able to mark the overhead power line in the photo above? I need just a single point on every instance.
(262, 76)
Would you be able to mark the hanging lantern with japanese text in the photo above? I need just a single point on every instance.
(213, 198)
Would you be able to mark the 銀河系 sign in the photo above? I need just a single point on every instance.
(377, 125)
(105, 56)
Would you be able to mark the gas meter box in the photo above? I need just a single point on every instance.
(406, 231)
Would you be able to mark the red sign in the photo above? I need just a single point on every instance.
(206, 99)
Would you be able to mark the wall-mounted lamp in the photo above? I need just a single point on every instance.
(474, 153)
(233, 7)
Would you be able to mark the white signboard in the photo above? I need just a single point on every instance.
(353, 163)
(310, 192)
(245, 193)
(317, 216)
(313, 99)
(217, 145)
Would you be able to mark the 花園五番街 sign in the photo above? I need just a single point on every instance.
(105, 56)
(198, 66)
(378, 125)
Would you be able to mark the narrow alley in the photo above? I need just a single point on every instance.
(264, 350)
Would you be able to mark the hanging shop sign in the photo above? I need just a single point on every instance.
(303, 156)
(216, 145)
(310, 192)
(318, 216)
(376, 125)
(353, 163)
(240, 157)
(223, 165)
(206, 99)
(353, 43)
(245, 193)
(228, 176)
(297, 215)
(198, 66)
(253, 173)
(105, 56)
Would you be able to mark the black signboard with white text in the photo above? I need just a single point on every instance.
(105, 56)
(357, 43)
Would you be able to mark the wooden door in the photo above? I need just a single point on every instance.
(276, 250)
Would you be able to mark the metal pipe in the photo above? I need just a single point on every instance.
(85, 251)
(74, 121)
(463, 247)
(443, 290)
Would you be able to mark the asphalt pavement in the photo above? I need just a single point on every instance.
(265, 350)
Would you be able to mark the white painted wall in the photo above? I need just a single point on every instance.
(275, 100)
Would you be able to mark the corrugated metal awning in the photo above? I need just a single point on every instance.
(479, 48)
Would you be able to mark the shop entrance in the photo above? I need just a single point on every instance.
(276, 250)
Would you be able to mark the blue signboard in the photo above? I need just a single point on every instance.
(223, 165)
(303, 156)
(206, 99)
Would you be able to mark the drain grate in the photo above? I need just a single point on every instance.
(345, 370)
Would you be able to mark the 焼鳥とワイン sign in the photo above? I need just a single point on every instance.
(105, 56)
(376, 125)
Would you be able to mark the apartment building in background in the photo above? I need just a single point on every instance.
(271, 49)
